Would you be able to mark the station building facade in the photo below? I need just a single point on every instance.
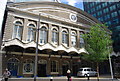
(60, 38)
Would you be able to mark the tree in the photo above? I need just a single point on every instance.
(98, 44)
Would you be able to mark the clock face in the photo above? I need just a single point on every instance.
(73, 17)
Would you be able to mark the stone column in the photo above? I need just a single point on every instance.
(48, 71)
(60, 66)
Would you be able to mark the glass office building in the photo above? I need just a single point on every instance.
(109, 14)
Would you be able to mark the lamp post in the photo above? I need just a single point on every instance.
(111, 67)
(36, 55)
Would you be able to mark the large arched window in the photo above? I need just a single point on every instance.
(54, 36)
(31, 32)
(43, 35)
(73, 38)
(28, 66)
(54, 66)
(81, 40)
(65, 37)
(17, 31)
(13, 66)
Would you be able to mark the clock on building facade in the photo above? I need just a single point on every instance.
(73, 17)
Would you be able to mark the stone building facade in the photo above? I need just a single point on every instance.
(60, 38)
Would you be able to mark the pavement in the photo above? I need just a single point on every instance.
(64, 78)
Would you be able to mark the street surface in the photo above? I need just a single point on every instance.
(64, 78)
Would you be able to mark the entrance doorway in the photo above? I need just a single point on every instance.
(42, 68)
(75, 68)
(64, 71)
(65, 67)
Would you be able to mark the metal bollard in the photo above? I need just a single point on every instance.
(51, 78)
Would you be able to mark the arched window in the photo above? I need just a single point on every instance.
(17, 31)
(65, 37)
(73, 39)
(81, 40)
(43, 35)
(13, 65)
(31, 32)
(28, 66)
(54, 66)
(54, 36)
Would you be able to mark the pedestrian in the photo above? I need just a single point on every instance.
(6, 74)
(69, 75)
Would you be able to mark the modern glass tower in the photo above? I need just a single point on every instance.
(108, 13)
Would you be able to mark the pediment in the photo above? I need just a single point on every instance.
(45, 7)
(56, 11)
(50, 10)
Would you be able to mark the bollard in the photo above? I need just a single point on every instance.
(51, 78)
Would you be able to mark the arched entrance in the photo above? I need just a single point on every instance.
(13, 66)
(65, 67)
(42, 68)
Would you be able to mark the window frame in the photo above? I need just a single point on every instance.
(55, 35)
(28, 61)
(74, 37)
(17, 29)
(43, 35)
(81, 43)
(54, 68)
(65, 37)
(32, 29)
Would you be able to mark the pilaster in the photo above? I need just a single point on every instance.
(69, 38)
(78, 39)
(49, 33)
(25, 30)
(60, 36)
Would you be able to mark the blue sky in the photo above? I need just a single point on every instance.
(75, 3)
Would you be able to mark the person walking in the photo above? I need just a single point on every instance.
(6, 74)
(69, 75)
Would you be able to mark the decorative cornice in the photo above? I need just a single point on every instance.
(43, 47)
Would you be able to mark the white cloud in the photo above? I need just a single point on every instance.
(71, 2)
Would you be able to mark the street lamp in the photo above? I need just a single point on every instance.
(36, 55)
(111, 67)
